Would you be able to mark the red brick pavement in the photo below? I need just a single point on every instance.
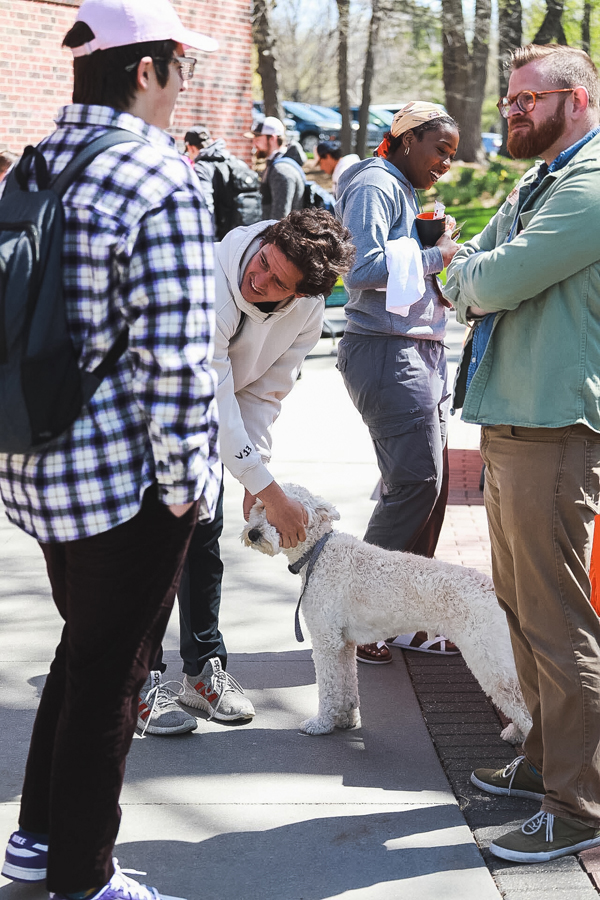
(464, 539)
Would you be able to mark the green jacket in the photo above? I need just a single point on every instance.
(541, 367)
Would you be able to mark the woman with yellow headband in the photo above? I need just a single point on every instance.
(392, 354)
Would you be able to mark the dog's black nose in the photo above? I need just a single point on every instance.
(254, 535)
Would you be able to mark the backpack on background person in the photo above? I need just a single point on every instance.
(236, 195)
(315, 196)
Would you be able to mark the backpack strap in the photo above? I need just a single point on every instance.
(60, 185)
(82, 160)
(290, 162)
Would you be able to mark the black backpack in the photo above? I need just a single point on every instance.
(315, 196)
(237, 197)
(42, 389)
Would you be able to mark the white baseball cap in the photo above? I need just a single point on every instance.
(269, 125)
(116, 23)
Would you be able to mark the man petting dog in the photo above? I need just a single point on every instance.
(270, 279)
(531, 283)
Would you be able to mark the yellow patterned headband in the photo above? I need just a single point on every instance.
(414, 113)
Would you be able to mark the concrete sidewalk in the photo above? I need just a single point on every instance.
(261, 811)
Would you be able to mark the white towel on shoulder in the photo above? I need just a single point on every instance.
(406, 282)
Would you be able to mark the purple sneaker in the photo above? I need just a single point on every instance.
(26, 858)
(120, 887)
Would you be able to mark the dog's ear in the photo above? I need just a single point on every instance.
(326, 511)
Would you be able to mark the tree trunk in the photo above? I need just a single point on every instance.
(369, 71)
(465, 72)
(267, 57)
(585, 26)
(510, 35)
(551, 28)
(343, 29)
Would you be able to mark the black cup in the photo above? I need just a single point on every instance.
(429, 229)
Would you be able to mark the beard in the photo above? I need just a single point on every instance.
(261, 154)
(525, 144)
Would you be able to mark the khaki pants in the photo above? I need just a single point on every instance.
(541, 494)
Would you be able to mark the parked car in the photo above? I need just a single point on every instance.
(491, 143)
(314, 124)
(394, 107)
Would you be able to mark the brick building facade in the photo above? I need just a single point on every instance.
(36, 72)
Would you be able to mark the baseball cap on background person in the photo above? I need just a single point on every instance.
(117, 23)
(269, 125)
(198, 136)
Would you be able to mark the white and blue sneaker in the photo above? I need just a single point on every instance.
(120, 887)
(26, 858)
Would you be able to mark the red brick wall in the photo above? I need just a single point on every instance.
(36, 73)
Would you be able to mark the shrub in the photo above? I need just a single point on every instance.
(482, 185)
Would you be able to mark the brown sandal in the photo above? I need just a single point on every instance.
(377, 654)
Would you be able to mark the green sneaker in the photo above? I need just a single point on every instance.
(517, 779)
(545, 837)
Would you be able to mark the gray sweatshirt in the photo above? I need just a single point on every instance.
(377, 203)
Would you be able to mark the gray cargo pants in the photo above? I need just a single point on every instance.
(399, 386)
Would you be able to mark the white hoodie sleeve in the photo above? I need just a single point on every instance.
(246, 416)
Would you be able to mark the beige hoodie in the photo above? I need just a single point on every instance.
(257, 359)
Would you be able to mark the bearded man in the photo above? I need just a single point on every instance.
(531, 284)
(282, 183)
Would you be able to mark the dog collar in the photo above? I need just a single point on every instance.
(310, 557)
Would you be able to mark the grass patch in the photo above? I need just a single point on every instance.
(475, 219)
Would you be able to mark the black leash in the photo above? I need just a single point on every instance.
(310, 557)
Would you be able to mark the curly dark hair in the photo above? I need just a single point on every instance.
(419, 131)
(317, 244)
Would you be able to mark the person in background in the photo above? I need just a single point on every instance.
(7, 161)
(530, 283)
(392, 355)
(282, 184)
(331, 161)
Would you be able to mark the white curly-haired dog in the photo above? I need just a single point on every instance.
(357, 593)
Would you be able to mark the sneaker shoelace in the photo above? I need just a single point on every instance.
(511, 770)
(133, 890)
(221, 682)
(161, 696)
(533, 825)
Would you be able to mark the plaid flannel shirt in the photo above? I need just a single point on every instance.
(137, 252)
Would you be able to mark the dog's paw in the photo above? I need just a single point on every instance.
(512, 734)
(351, 719)
(317, 726)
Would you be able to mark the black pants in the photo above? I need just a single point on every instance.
(200, 599)
(115, 592)
(398, 385)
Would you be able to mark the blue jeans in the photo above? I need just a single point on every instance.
(399, 387)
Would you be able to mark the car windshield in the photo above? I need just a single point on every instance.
(326, 112)
(306, 112)
(383, 118)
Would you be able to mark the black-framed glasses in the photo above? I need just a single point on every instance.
(525, 100)
(185, 64)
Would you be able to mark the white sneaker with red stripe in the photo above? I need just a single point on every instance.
(217, 693)
(158, 710)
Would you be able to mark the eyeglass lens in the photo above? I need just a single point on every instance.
(525, 101)
(186, 65)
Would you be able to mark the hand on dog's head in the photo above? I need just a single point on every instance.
(262, 536)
